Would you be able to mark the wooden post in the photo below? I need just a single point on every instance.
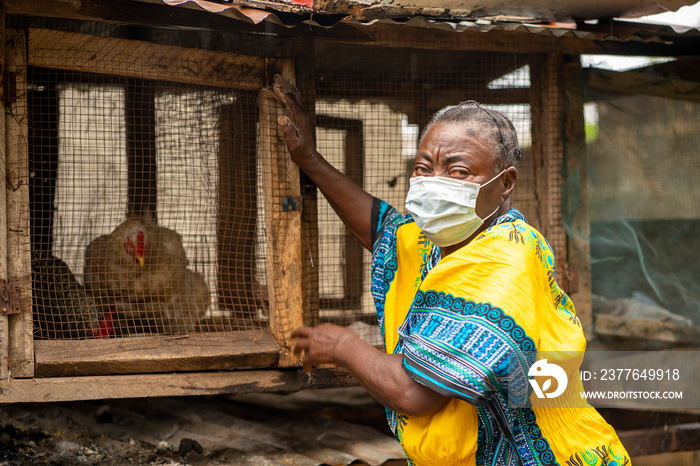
(282, 223)
(575, 205)
(4, 321)
(305, 67)
(238, 209)
(547, 107)
(18, 224)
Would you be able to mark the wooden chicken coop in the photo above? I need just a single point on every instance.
(143, 110)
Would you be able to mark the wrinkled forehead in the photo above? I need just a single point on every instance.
(464, 137)
(486, 134)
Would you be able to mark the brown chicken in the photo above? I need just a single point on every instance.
(164, 259)
(182, 311)
(114, 263)
(139, 273)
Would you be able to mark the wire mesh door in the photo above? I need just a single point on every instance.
(150, 199)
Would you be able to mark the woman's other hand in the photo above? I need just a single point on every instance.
(321, 343)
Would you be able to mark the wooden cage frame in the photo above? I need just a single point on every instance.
(46, 371)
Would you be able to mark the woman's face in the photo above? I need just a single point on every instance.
(455, 151)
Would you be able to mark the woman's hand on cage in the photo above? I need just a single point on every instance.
(321, 343)
(296, 127)
(352, 204)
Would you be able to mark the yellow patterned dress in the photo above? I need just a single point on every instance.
(470, 326)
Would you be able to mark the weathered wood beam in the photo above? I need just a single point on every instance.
(502, 41)
(646, 330)
(133, 355)
(282, 201)
(139, 59)
(4, 319)
(547, 110)
(397, 98)
(17, 192)
(59, 389)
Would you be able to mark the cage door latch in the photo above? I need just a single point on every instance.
(9, 298)
(290, 203)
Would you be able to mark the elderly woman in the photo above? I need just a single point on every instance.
(466, 298)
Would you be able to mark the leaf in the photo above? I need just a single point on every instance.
(546, 385)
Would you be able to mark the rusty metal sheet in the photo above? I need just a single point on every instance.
(543, 9)
(456, 20)
(225, 430)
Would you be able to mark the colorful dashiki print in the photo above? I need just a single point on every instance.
(469, 326)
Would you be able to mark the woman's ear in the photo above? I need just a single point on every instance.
(510, 177)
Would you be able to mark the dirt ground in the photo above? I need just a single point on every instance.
(246, 429)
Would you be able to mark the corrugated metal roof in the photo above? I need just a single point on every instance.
(252, 11)
(546, 10)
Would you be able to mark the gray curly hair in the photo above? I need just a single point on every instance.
(501, 132)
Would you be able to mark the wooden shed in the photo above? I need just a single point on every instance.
(157, 108)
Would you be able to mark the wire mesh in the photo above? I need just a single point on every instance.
(144, 207)
(151, 199)
(371, 105)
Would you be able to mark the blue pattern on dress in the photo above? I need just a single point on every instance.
(461, 348)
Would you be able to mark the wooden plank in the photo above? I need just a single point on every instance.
(4, 320)
(547, 111)
(17, 192)
(397, 35)
(575, 205)
(227, 350)
(630, 83)
(137, 59)
(646, 330)
(283, 227)
(159, 385)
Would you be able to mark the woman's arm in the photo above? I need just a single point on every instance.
(352, 204)
(381, 374)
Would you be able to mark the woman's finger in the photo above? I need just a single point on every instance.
(284, 85)
(301, 332)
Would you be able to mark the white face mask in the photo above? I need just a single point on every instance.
(445, 208)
